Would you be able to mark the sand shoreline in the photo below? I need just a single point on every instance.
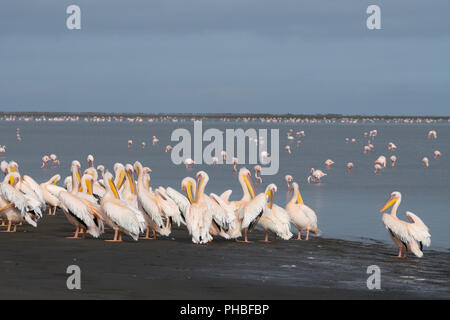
(34, 261)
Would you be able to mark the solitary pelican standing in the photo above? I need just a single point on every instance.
(407, 235)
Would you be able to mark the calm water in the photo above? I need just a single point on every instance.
(347, 204)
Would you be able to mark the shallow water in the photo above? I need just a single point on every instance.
(347, 204)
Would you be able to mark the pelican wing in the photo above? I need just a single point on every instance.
(128, 218)
(149, 206)
(226, 211)
(168, 206)
(181, 200)
(397, 228)
(54, 190)
(77, 207)
(13, 195)
(418, 229)
(98, 190)
(226, 195)
(251, 211)
(35, 187)
(310, 214)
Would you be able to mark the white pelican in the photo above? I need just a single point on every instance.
(288, 178)
(302, 217)
(222, 213)
(90, 160)
(13, 206)
(411, 236)
(198, 217)
(148, 205)
(274, 218)
(124, 217)
(51, 200)
(249, 209)
(77, 211)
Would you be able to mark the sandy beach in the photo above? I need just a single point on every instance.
(33, 266)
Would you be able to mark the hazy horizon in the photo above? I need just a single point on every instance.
(246, 56)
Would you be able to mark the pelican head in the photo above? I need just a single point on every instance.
(270, 191)
(246, 177)
(119, 171)
(90, 160)
(54, 180)
(138, 167)
(202, 180)
(110, 185)
(13, 166)
(12, 178)
(130, 177)
(395, 196)
(189, 185)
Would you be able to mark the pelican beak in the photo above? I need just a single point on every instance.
(388, 204)
(188, 190)
(270, 194)
(12, 180)
(55, 181)
(121, 179)
(249, 183)
(12, 169)
(299, 198)
(80, 188)
(200, 180)
(89, 186)
(113, 189)
(131, 179)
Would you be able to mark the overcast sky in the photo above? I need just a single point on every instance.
(275, 56)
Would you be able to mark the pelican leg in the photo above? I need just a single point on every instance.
(49, 210)
(274, 237)
(54, 211)
(84, 233)
(307, 234)
(399, 252)
(154, 235)
(406, 253)
(299, 234)
(116, 234)
(266, 238)
(9, 227)
(3, 223)
(245, 237)
(76, 234)
(15, 228)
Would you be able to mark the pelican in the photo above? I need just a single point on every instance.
(198, 217)
(302, 216)
(77, 211)
(288, 178)
(90, 160)
(274, 218)
(13, 204)
(123, 217)
(148, 205)
(50, 199)
(249, 209)
(408, 235)
(222, 213)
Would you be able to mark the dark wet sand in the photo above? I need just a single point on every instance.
(33, 265)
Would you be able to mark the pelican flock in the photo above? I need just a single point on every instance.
(123, 202)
